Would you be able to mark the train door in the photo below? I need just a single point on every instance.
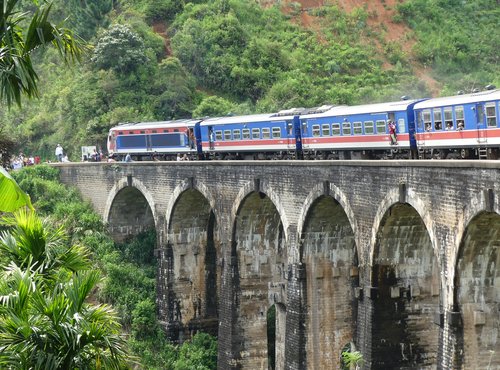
(149, 144)
(290, 136)
(297, 132)
(191, 138)
(480, 124)
(420, 132)
(211, 137)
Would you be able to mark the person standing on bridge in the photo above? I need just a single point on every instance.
(59, 152)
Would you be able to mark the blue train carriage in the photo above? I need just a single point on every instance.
(259, 136)
(360, 132)
(461, 126)
(154, 140)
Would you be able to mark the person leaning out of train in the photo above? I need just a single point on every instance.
(460, 125)
(392, 132)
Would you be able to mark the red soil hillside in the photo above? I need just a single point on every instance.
(380, 20)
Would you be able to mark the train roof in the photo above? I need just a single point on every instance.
(487, 95)
(266, 117)
(156, 124)
(345, 110)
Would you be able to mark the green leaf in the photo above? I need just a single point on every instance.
(11, 195)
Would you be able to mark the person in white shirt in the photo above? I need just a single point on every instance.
(59, 153)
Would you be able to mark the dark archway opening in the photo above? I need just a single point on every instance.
(130, 214)
(271, 337)
(329, 253)
(405, 273)
(193, 271)
(261, 255)
(477, 294)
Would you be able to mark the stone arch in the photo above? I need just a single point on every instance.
(129, 209)
(261, 186)
(260, 255)
(329, 253)
(328, 189)
(477, 292)
(191, 253)
(393, 197)
(405, 275)
(181, 188)
(477, 205)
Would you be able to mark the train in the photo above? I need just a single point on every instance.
(464, 126)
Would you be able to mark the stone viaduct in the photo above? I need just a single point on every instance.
(397, 259)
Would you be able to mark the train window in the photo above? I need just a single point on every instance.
(325, 130)
(246, 133)
(426, 117)
(255, 133)
(154, 132)
(335, 129)
(218, 135)
(266, 133)
(165, 131)
(401, 126)
(369, 127)
(491, 117)
(438, 119)
(448, 118)
(289, 127)
(120, 132)
(176, 130)
(304, 127)
(227, 134)
(315, 130)
(459, 117)
(381, 127)
(357, 128)
(346, 128)
(276, 132)
(236, 134)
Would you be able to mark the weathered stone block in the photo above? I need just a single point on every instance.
(479, 318)
(395, 292)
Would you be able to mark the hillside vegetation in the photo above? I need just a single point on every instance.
(167, 59)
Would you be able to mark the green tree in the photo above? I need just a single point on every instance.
(88, 15)
(174, 90)
(199, 353)
(17, 44)
(213, 106)
(119, 49)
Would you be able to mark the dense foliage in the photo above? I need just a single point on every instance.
(458, 40)
(21, 35)
(157, 60)
(129, 271)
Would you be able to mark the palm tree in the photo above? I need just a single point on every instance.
(46, 321)
(17, 75)
(45, 328)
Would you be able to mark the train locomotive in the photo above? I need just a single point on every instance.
(461, 126)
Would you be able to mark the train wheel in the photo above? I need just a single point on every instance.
(464, 153)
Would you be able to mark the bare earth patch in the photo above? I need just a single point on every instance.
(381, 13)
